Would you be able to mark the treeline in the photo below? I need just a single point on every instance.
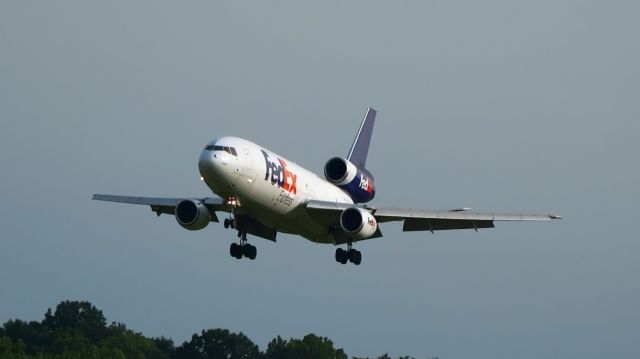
(79, 330)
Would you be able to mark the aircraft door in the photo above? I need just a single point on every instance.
(248, 172)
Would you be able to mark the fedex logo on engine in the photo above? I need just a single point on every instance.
(279, 175)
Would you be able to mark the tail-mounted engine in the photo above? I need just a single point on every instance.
(347, 176)
(358, 223)
(192, 215)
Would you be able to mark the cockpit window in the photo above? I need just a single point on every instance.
(229, 150)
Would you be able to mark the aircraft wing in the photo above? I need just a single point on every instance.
(328, 213)
(167, 205)
(162, 205)
(426, 220)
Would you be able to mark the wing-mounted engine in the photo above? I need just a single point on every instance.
(358, 223)
(356, 182)
(192, 215)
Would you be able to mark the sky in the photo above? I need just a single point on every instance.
(503, 106)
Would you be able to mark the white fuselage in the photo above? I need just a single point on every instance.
(267, 186)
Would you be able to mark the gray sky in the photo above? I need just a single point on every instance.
(495, 105)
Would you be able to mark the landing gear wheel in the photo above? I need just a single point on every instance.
(226, 223)
(232, 223)
(355, 256)
(342, 256)
(236, 250)
(249, 251)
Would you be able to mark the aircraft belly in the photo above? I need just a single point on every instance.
(281, 204)
(294, 221)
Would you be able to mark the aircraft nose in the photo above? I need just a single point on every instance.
(213, 164)
(207, 164)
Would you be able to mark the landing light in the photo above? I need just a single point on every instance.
(201, 178)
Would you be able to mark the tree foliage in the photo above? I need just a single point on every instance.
(81, 317)
(311, 346)
(78, 330)
(218, 343)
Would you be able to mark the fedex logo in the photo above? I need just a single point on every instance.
(279, 175)
(365, 184)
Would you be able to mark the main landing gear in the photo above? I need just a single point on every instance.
(350, 255)
(242, 249)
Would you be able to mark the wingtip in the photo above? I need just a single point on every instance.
(554, 216)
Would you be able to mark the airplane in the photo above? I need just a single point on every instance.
(262, 193)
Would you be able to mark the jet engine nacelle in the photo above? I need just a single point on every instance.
(347, 176)
(192, 215)
(358, 223)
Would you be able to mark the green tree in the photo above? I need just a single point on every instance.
(277, 349)
(82, 316)
(165, 345)
(218, 343)
(35, 337)
(130, 343)
(11, 350)
(311, 347)
(78, 330)
(315, 347)
(69, 340)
